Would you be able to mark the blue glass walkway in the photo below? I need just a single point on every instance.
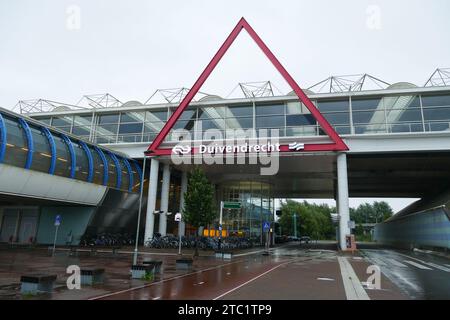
(32, 145)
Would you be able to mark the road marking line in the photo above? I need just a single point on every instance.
(251, 280)
(431, 264)
(325, 279)
(379, 262)
(162, 281)
(415, 264)
(352, 286)
(396, 263)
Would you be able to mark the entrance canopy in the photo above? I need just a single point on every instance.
(337, 144)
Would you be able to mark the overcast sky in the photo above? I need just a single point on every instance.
(62, 50)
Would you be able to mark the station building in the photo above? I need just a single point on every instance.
(346, 137)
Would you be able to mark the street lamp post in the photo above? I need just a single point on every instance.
(141, 191)
(219, 246)
(178, 218)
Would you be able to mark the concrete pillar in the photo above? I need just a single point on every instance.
(165, 191)
(342, 199)
(151, 202)
(184, 183)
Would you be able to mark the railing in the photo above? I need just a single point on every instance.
(304, 131)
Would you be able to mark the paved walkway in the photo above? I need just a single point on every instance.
(290, 272)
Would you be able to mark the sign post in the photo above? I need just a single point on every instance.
(57, 224)
(178, 219)
(266, 229)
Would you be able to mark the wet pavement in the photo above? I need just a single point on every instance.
(417, 275)
(291, 271)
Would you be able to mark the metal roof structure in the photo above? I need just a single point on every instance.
(439, 78)
(349, 83)
(333, 84)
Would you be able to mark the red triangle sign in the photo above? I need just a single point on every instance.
(337, 145)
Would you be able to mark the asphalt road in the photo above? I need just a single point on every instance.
(418, 275)
(291, 272)
(296, 272)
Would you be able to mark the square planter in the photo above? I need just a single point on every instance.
(156, 263)
(91, 276)
(143, 272)
(184, 264)
(36, 283)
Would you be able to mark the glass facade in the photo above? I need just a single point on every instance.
(125, 174)
(33, 146)
(16, 143)
(98, 166)
(82, 163)
(256, 207)
(353, 114)
(112, 171)
(436, 112)
(63, 158)
(42, 155)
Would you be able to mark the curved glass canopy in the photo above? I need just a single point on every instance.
(37, 147)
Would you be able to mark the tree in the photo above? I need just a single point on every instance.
(376, 212)
(379, 211)
(198, 208)
(312, 220)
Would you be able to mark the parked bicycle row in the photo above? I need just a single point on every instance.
(107, 239)
(172, 242)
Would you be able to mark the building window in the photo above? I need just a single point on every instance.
(436, 112)
(108, 118)
(81, 131)
(211, 113)
(46, 120)
(130, 132)
(239, 123)
(42, 155)
(269, 109)
(130, 117)
(240, 111)
(63, 159)
(333, 105)
(107, 127)
(112, 171)
(269, 122)
(366, 104)
(82, 163)
(300, 120)
(125, 176)
(98, 167)
(403, 113)
(156, 116)
(16, 144)
(62, 121)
